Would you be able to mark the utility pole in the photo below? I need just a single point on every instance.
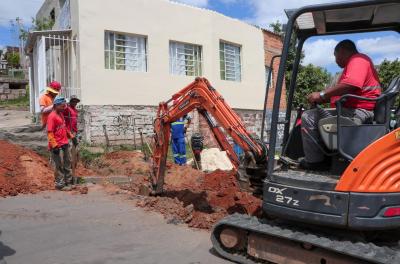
(21, 43)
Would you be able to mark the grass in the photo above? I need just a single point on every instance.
(19, 102)
(88, 157)
(123, 148)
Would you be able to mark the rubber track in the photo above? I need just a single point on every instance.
(364, 251)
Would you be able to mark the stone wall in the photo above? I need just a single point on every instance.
(120, 123)
(9, 94)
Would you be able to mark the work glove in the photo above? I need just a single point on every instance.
(56, 151)
(75, 141)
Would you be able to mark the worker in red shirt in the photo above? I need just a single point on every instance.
(71, 114)
(360, 78)
(58, 136)
(46, 101)
(71, 121)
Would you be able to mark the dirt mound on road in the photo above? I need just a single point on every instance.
(196, 198)
(190, 196)
(22, 171)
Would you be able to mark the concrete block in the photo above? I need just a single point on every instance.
(11, 96)
(5, 85)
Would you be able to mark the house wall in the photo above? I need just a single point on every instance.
(120, 124)
(162, 21)
(117, 103)
(273, 45)
(47, 7)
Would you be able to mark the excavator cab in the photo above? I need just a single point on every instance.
(362, 189)
(351, 213)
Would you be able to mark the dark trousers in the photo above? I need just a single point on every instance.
(309, 125)
(62, 167)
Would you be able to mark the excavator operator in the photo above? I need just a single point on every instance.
(360, 78)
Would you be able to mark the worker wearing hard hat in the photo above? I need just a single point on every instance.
(178, 131)
(58, 136)
(46, 100)
(71, 121)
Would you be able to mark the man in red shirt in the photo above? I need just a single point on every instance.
(58, 136)
(71, 114)
(71, 121)
(360, 78)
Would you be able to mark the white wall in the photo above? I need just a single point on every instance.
(162, 21)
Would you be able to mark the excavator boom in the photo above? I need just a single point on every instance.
(202, 96)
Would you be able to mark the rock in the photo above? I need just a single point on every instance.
(84, 190)
(25, 158)
(173, 220)
(190, 208)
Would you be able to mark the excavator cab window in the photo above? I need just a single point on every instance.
(343, 138)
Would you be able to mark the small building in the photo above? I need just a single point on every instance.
(13, 79)
(123, 57)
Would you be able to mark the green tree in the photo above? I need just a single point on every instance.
(277, 27)
(310, 78)
(37, 25)
(388, 70)
(12, 59)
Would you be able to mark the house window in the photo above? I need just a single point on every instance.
(185, 59)
(125, 52)
(230, 62)
(267, 71)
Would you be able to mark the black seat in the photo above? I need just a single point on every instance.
(385, 102)
(353, 139)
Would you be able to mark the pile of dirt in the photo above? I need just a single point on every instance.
(117, 163)
(23, 171)
(193, 197)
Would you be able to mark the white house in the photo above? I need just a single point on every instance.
(122, 57)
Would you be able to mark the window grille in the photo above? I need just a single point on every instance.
(230, 62)
(125, 52)
(185, 59)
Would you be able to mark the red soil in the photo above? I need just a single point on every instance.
(23, 171)
(198, 199)
(190, 196)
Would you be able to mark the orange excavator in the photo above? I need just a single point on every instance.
(347, 214)
(200, 95)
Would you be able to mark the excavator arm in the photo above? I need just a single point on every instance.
(202, 96)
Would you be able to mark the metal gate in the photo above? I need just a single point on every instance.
(55, 58)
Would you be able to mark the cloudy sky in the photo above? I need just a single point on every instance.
(318, 51)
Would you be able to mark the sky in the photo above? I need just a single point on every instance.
(318, 51)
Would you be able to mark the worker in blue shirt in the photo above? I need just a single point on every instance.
(178, 131)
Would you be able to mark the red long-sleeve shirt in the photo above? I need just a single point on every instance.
(71, 118)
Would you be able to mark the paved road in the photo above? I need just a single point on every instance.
(58, 228)
(14, 118)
